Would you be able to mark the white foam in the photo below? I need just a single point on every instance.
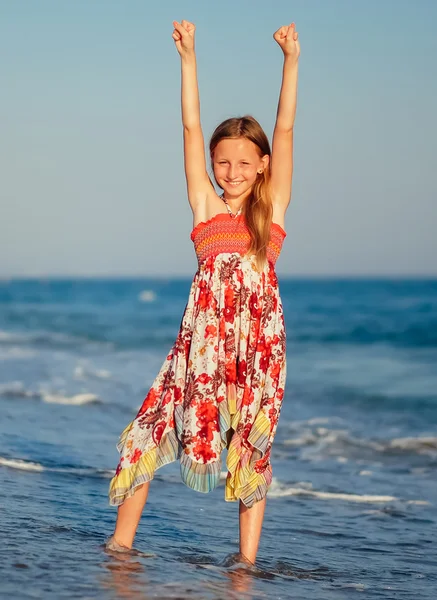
(147, 296)
(365, 473)
(77, 400)
(27, 465)
(305, 439)
(319, 442)
(81, 372)
(322, 420)
(280, 490)
(420, 444)
(22, 465)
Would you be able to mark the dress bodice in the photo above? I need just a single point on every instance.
(224, 234)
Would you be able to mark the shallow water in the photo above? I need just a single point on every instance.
(352, 509)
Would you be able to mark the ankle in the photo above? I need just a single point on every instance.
(117, 545)
(246, 560)
(121, 542)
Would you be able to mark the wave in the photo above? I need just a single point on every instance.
(76, 400)
(316, 442)
(281, 490)
(82, 372)
(147, 296)
(27, 465)
(17, 389)
(277, 489)
(412, 444)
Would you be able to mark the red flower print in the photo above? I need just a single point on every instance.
(118, 469)
(135, 456)
(272, 415)
(210, 331)
(262, 464)
(247, 396)
(167, 398)
(246, 431)
(206, 431)
(265, 347)
(149, 401)
(157, 432)
(222, 329)
(229, 310)
(203, 295)
(204, 378)
(272, 278)
(203, 451)
(210, 264)
(275, 371)
(207, 411)
(231, 372)
(255, 310)
(242, 372)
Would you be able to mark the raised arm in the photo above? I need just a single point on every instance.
(198, 182)
(282, 145)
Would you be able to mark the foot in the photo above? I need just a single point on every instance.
(112, 544)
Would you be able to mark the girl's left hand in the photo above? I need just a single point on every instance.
(287, 38)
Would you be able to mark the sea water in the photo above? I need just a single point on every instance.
(352, 508)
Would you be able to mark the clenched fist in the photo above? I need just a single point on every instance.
(183, 35)
(287, 38)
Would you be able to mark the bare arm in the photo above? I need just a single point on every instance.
(282, 146)
(198, 183)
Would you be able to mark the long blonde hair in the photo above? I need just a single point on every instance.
(258, 208)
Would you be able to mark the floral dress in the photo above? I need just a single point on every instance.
(222, 383)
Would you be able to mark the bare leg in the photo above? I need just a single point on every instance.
(251, 521)
(129, 514)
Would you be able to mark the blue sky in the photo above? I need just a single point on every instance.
(92, 177)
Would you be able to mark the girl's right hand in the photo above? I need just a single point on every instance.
(183, 35)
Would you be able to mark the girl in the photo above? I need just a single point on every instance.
(222, 383)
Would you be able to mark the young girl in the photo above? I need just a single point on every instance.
(222, 383)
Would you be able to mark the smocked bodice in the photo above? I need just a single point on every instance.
(223, 234)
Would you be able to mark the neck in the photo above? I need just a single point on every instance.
(236, 202)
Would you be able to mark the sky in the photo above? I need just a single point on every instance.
(91, 164)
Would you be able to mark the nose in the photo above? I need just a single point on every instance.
(232, 171)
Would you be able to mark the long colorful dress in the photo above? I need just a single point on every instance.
(222, 384)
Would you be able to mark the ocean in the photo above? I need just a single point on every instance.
(352, 508)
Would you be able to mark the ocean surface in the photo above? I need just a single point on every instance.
(352, 511)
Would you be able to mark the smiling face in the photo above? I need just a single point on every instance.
(236, 163)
